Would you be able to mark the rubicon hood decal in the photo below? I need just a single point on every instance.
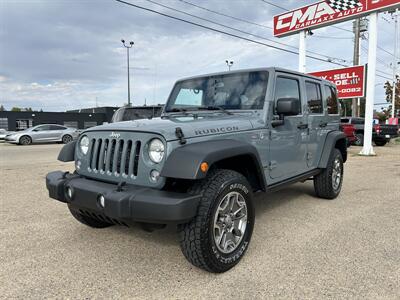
(216, 130)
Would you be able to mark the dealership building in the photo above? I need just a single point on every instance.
(80, 119)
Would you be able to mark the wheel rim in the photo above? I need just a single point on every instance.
(25, 141)
(230, 222)
(336, 174)
(66, 139)
(358, 140)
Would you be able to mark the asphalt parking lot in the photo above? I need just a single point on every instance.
(302, 246)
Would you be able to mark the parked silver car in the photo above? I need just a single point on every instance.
(43, 134)
(3, 133)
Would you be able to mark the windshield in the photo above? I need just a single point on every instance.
(229, 91)
(133, 113)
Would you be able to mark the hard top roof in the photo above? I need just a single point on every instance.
(274, 69)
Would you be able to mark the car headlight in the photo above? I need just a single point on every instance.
(156, 150)
(84, 144)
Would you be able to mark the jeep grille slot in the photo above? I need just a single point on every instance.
(114, 157)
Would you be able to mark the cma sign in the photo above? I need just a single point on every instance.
(312, 15)
(327, 12)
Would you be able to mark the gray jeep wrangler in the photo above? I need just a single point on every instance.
(221, 138)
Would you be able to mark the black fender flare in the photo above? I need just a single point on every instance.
(184, 162)
(67, 152)
(331, 139)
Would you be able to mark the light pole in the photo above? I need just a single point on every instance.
(395, 17)
(229, 64)
(127, 56)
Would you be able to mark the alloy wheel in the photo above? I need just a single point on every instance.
(336, 174)
(230, 222)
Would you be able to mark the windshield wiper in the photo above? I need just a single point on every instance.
(212, 107)
(177, 110)
(184, 112)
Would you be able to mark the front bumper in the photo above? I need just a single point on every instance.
(13, 140)
(127, 205)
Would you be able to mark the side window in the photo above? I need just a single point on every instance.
(314, 98)
(56, 127)
(331, 100)
(287, 88)
(356, 121)
(42, 128)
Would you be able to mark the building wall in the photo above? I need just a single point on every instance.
(12, 120)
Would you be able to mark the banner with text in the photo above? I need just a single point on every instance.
(350, 82)
(326, 13)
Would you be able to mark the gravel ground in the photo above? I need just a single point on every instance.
(302, 247)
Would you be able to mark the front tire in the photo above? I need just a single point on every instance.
(218, 237)
(328, 183)
(25, 140)
(88, 221)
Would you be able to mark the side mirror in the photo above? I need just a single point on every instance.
(288, 107)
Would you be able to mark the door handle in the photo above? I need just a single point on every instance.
(323, 124)
(302, 126)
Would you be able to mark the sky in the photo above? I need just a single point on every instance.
(58, 55)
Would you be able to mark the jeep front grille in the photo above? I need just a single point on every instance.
(114, 157)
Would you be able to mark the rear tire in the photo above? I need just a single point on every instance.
(328, 183)
(218, 237)
(88, 221)
(67, 139)
(25, 140)
(359, 139)
(380, 143)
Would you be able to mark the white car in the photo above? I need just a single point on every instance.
(43, 134)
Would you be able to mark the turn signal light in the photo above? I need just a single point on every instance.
(204, 167)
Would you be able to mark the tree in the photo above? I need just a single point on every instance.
(389, 93)
(2, 108)
(16, 109)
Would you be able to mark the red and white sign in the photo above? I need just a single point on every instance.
(350, 82)
(327, 12)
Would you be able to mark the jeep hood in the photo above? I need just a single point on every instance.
(191, 126)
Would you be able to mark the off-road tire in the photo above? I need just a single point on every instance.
(380, 143)
(66, 139)
(359, 139)
(323, 183)
(88, 221)
(196, 237)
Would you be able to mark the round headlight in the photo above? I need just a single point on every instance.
(84, 144)
(156, 150)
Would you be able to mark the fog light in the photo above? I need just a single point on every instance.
(78, 165)
(69, 193)
(102, 201)
(154, 175)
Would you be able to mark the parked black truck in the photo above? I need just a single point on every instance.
(381, 133)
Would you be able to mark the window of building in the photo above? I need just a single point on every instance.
(331, 100)
(4, 123)
(71, 124)
(23, 124)
(314, 97)
(89, 124)
(287, 88)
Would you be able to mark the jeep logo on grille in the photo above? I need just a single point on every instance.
(115, 135)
